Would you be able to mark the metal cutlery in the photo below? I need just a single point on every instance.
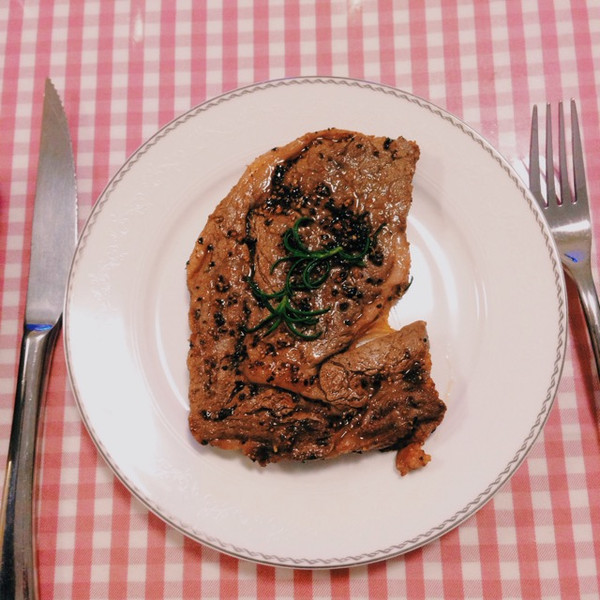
(568, 212)
(54, 236)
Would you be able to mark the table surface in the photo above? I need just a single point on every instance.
(124, 69)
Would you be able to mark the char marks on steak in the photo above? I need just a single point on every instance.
(275, 395)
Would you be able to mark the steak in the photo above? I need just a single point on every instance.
(293, 267)
(387, 381)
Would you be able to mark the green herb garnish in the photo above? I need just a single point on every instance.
(308, 270)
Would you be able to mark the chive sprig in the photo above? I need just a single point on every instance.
(308, 270)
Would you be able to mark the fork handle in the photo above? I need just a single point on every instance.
(591, 309)
(18, 577)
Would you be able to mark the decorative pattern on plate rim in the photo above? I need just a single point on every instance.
(510, 468)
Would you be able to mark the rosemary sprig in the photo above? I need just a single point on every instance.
(308, 270)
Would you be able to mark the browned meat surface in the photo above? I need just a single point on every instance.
(380, 397)
(305, 253)
(352, 186)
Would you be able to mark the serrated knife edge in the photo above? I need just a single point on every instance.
(54, 229)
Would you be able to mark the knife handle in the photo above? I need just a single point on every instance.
(18, 573)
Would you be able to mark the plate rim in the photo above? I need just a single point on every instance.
(471, 507)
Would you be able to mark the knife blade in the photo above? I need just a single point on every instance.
(53, 241)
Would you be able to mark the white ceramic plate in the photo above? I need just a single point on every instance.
(487, 279)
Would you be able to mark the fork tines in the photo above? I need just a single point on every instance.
(566, 193)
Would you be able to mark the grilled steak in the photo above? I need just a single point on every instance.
(304, 254)
(387, 382)
(380, 396)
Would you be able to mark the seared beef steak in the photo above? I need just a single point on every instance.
(382, 398)
(387, 381)
(354, 189)
(305, 253)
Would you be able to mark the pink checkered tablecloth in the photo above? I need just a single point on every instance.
(124, 69)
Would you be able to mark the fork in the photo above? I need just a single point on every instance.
(568, 215)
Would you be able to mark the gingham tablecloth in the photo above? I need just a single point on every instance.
(124, 69)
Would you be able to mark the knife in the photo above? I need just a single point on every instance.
(53, 240)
